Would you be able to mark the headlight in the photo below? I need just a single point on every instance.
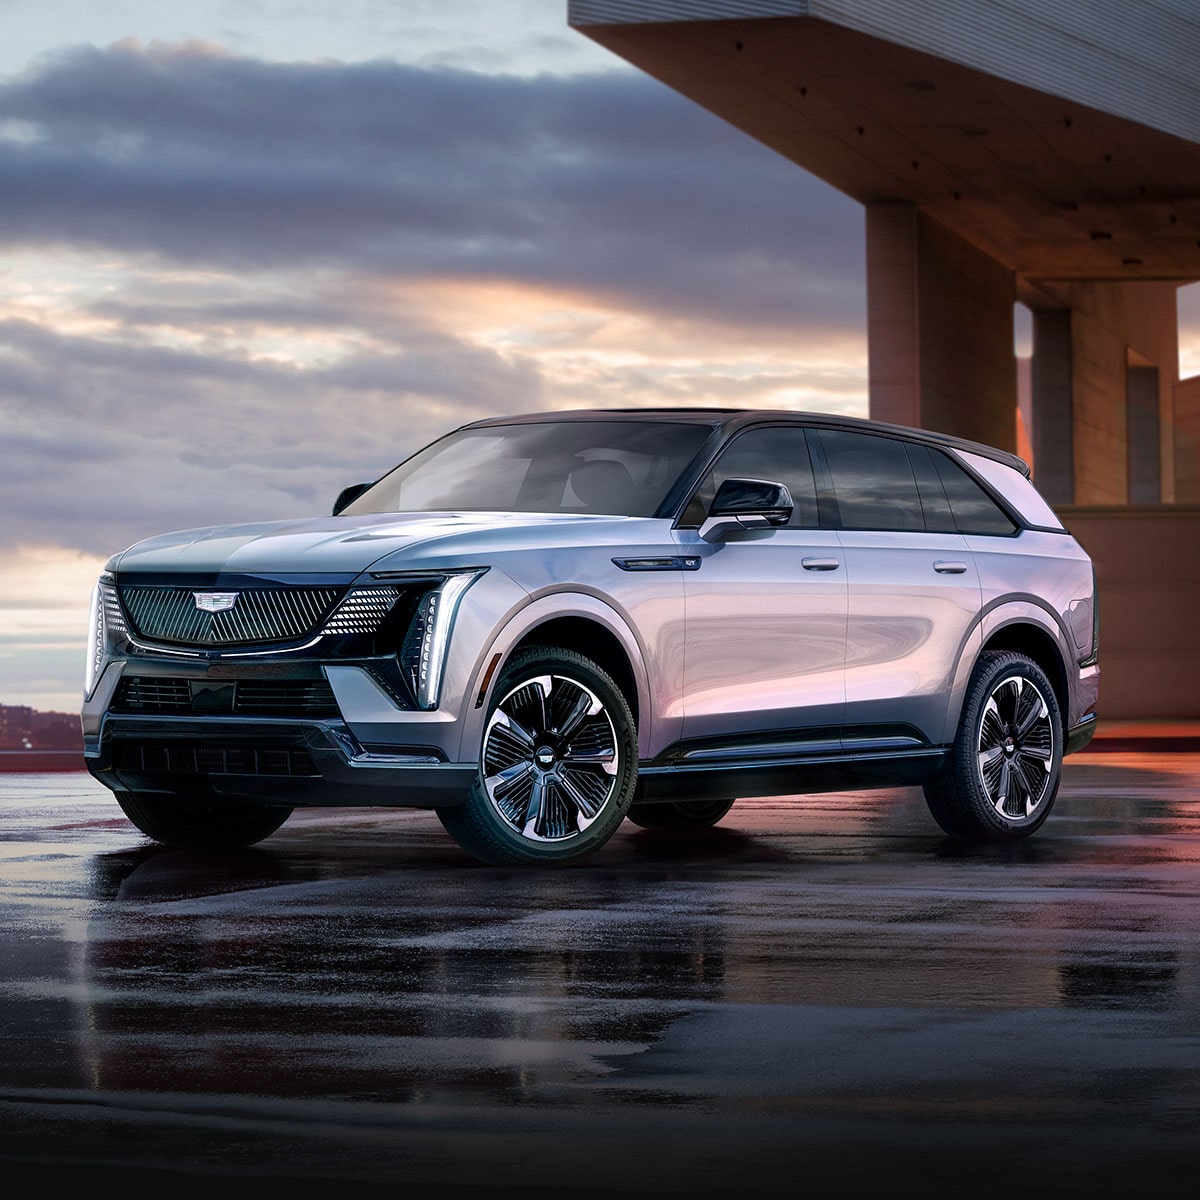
(105, 623)
(423, 654)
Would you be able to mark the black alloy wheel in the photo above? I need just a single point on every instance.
(558, 764)
(1007, 756)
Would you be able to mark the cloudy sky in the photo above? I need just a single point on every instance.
(256, 250)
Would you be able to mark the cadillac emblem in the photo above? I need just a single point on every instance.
(215, 602)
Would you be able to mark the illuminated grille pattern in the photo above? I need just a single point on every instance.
(244, 697)
(169, 614)
(363, 610)
(114, 619)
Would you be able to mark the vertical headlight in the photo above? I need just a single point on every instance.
(105, 622)
(423, 655)
(95, 643)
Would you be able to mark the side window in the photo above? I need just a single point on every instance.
(873, 482)
(974, 510)
(778, 453)
(938, 517)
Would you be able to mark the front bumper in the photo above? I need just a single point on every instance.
(287, 761)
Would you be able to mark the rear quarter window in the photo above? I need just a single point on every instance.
(1016, 490)
(973, 509)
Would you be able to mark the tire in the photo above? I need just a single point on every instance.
(1003, 776)
(684, 814)
(558, 764)
(200, 822)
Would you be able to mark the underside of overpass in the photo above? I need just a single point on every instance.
(1005, 151)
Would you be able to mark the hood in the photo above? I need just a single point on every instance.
(322, 545)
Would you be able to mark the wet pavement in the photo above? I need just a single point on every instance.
(821, 994)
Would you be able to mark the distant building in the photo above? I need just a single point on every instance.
(24, 728)
(16, 727)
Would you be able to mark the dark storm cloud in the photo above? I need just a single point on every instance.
(607, 183)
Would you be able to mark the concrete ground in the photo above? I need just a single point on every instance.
(821, 994)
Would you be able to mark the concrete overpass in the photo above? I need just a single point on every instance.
(1005, 151)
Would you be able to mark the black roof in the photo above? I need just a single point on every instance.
(737, 417)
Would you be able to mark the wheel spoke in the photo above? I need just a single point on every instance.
(583, 705)
(539, 695)
(1019, 796)
(988, 757)
(999, 796)
(520, 734)
(587, 806)
(535, 809)
(1012, 701)
(503, 781)
(1036, 710)
(604, 759)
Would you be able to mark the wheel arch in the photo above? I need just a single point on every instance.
(588, 637)
(1023, 636)
(577, 622)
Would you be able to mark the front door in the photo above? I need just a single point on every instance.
(765, 613)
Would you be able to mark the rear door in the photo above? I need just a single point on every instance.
(913, 588)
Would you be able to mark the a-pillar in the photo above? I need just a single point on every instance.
(940, 329)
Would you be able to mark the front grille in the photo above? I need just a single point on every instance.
(170, 696)
(206, 758)
(150, 693)
(171, 614)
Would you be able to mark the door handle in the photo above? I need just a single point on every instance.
(820, 564)
(949, 568)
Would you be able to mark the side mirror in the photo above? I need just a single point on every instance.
(348, 494)
(746, 504)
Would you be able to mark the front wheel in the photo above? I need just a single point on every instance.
(200, 822)
(1007, 756)
(558, 764)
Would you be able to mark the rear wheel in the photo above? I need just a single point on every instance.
(1007, 757)
(559, 764)
(200, 822)
(683, 814)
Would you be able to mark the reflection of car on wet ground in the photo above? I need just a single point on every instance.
(540, 626)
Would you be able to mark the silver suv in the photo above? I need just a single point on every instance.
(540, 626)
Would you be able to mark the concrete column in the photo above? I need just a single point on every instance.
(1112, 325)
(1052, 437)
(940, 329)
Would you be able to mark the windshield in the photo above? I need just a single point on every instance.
(619, 468)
